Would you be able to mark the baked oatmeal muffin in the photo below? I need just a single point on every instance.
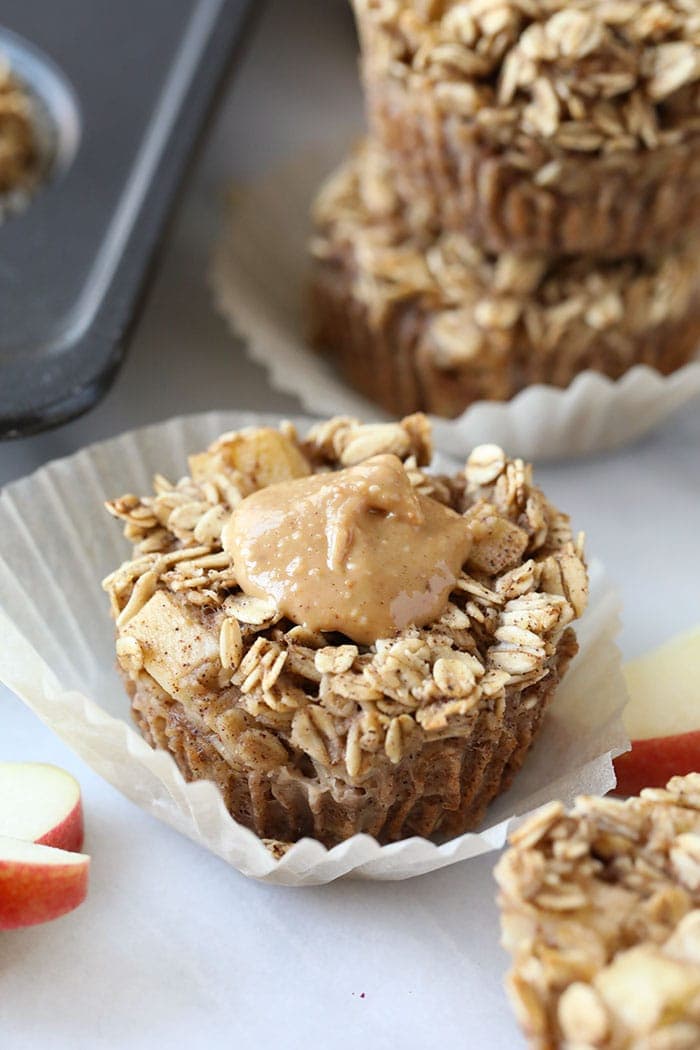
(601, 914)
(416, 320)
(560, 126)
(342, 641)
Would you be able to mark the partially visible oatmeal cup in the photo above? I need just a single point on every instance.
(21, 161)
(601, 914)
(422, 321)
(563, 126)
(342, 641)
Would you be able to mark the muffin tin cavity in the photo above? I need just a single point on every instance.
(39, 122)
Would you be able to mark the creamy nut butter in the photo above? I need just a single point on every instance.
(356, 551)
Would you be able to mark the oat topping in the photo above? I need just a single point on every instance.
(582, 76)
(480, 307)
(601, 914)
(257, 680)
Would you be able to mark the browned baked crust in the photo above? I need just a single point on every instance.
(418, 321)
(442, 790)
(304, 732)
(561, 127)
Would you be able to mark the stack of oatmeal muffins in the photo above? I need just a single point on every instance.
(527, 203)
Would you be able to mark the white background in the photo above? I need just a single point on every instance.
(172, 946)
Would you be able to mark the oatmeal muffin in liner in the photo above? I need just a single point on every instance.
(416, 320)
(306, 732)
(561, 126)
(601, 914)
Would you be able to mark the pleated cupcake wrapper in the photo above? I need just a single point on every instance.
(57, 653)
(259, 278)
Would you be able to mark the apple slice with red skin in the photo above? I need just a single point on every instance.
(663, 716)
(39, 883)
(652, 763)
(40, 803)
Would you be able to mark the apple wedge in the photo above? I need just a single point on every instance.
(663, 716)
(40, 803)
(39, 883)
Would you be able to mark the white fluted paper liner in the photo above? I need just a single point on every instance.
(258, 277)
(57, 653)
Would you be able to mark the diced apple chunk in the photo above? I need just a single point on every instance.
(261, 454)
(174, 645)
(497, 543)
(642, 987)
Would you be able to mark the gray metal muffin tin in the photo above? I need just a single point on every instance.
(126, 87)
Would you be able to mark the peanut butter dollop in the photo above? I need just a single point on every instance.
(357, 551)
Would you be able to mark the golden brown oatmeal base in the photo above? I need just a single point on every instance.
(442, 792)
(395, 364)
